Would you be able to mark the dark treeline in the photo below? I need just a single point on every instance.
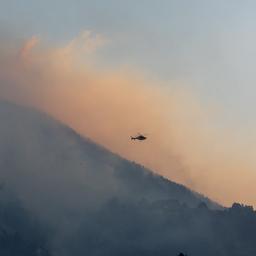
(21, 233)
(166, 227)
(161, 228)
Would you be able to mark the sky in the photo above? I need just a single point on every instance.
(206, 45)
(200, 53)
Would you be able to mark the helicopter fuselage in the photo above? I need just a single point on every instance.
(140, 137)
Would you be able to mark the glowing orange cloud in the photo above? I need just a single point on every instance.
(29, 45)
(187, 142)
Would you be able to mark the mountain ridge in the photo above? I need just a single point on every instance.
(62, 194)
(94, 149)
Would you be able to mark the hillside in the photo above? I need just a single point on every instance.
(62, 194)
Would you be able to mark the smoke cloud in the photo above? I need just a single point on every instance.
(28, 46)
(188, 141)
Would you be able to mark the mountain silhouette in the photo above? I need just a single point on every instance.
(63, 194)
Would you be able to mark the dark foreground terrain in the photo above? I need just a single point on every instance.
(63, 195)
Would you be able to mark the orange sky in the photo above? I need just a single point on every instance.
(188, 142)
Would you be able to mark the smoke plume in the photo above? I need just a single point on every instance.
(187, 141)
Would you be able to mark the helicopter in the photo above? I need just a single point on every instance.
(139, 137)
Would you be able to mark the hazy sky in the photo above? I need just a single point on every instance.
(205, 48)
(208, 45)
